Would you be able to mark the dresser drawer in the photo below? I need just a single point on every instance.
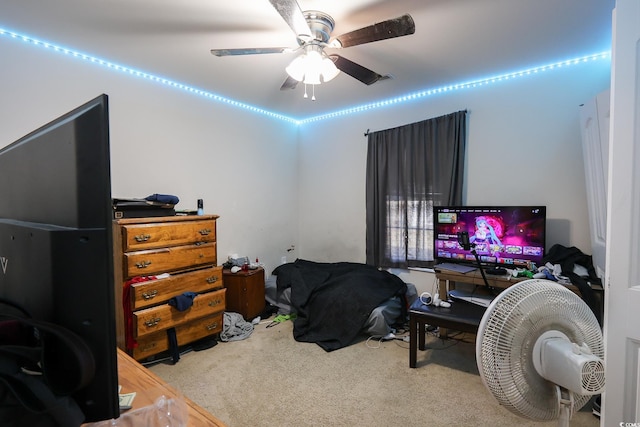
(155, 292)
(164, 316)
(145, 263)
(157, 235)
(158, 342)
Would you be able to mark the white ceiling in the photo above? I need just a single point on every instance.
(455, 41)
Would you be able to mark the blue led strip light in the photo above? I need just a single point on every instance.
(459, 86)
(357, 109)
(137, 73)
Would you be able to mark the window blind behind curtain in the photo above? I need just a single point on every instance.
(410, 169)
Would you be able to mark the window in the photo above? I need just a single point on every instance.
(409, 170)
(410, 231)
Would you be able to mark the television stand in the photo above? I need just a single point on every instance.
(447, 280)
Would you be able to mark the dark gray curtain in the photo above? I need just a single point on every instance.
(410, 169)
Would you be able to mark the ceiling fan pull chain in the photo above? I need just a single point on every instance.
(305, 91)
(313, 96)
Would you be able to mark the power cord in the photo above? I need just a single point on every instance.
(402, 339)
(379, 339)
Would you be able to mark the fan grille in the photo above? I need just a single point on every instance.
(508, 331)
(593, 376)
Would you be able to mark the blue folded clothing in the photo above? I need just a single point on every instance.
(163, 198)
(182, 302)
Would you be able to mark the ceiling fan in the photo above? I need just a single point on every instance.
(313, 33)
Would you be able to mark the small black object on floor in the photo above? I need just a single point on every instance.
(204, 343)
(269, 310)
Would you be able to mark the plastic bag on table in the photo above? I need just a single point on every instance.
(165, 412)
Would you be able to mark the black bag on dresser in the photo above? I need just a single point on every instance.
(41, 366)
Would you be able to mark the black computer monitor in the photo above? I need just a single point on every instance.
(56, 249)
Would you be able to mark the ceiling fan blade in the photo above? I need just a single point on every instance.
(289, 83)
(292, 15)
(357, 71)
(249, 51)
(398, 27)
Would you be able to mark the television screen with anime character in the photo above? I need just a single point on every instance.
(509, 236)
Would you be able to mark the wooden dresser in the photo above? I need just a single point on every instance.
(159, 262)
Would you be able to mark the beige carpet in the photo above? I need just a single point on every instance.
(269, 379)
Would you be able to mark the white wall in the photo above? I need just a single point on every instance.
(164, 140)
(275, 185)
(523, 148)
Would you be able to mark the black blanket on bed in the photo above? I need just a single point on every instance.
(334, 300)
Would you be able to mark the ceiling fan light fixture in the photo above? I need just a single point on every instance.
(312, 77)
(329, 69)
(312, 67)
(297, 68)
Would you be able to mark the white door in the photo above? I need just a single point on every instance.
(621, 400)
(594, 125)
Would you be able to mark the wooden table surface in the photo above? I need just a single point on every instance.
(148, 387)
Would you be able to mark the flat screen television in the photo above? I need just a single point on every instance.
(507, 236)
(56, 248)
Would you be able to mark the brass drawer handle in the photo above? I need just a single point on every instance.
(152, 322)
(142, 237)
(215, 302)
(205, 231)
(149, 295)
(212, 279)
(212, 326)
(143, 264)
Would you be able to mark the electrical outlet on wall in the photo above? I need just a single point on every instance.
(283, 260)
